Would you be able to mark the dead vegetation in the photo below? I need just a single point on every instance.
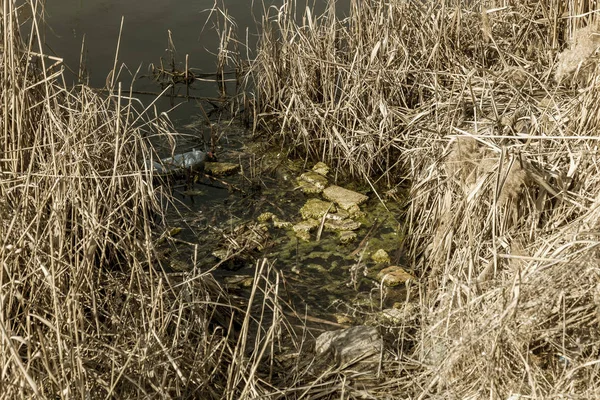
(483, 107)
(489, 110)
(85, 309)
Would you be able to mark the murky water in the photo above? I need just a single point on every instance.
(149, 26)
(320, 275)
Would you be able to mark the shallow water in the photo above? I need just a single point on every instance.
(148, 25)
(325, 278)
(317, 275)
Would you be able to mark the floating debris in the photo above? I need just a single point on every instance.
(193, 160)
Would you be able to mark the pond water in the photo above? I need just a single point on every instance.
(192, 26)
(319, 273)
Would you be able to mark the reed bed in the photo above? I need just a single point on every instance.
(489, 110)
(86, 310)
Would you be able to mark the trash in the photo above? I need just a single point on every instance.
(193, 160)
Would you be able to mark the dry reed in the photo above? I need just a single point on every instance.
(459, 98)
(85, 308)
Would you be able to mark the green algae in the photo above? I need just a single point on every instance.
(316, 208)
(319, 271)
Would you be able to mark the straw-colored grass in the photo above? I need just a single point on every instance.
(480, 106)
(489, 110)
(85, 309)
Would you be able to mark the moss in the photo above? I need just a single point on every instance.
(380, 256)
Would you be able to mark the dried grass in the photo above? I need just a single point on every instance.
(85, 309)
(578, 61)
(502, 160)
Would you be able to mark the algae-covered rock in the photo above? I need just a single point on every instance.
(266, 216)
(355, 212)
(307, 188)
(279, 223)
(394, 276)
(315, 208)
(305, 226)
(381, 256)
(321, 168)
(347, 237)
(346, 199)
(341, 225)
(221, 168)
(312, 180)
(339, 214)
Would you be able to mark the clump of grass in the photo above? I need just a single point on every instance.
(577, 62)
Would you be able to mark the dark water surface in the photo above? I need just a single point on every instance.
(193, 27)
(147, 27)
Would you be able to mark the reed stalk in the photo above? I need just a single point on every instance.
(86, 310)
